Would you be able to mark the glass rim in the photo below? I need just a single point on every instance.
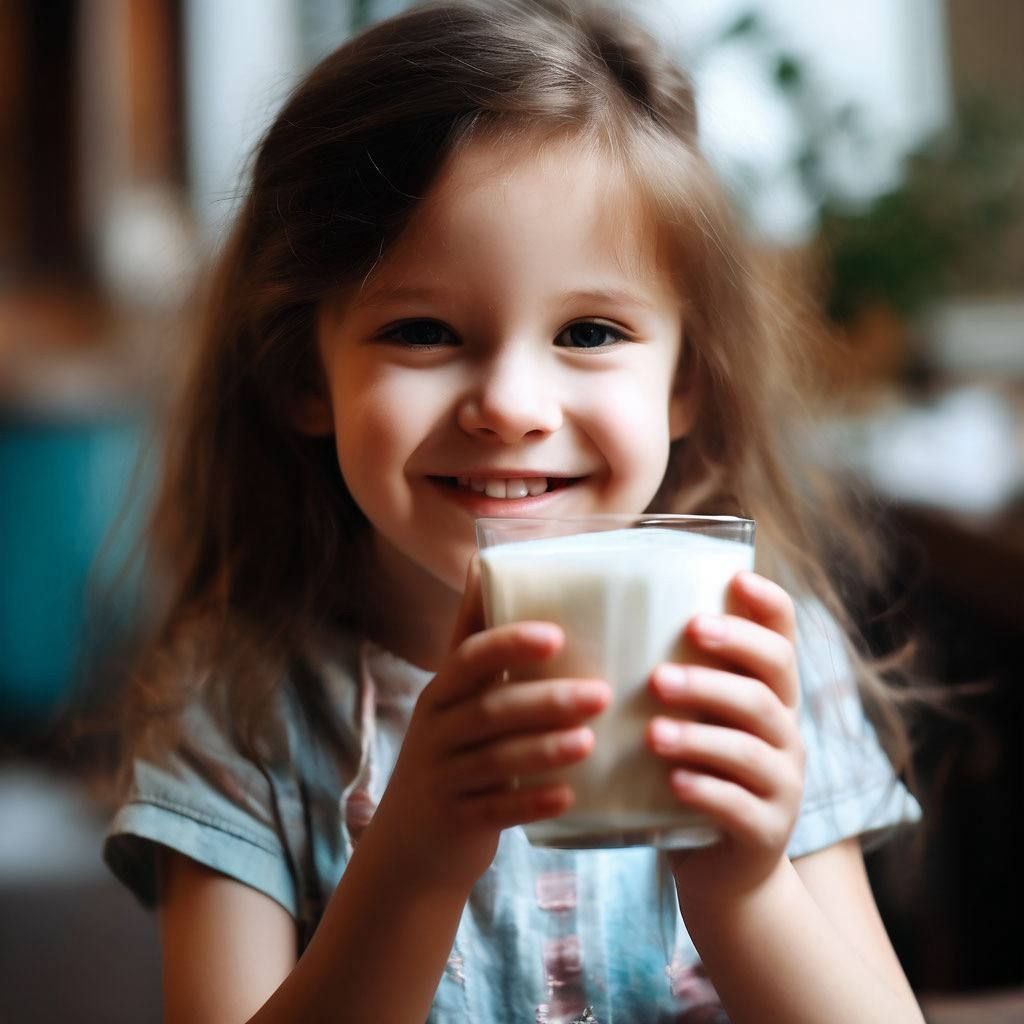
(674, 517)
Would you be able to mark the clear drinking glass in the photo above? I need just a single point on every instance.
(622, 587)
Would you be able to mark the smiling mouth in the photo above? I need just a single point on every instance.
(507, 489)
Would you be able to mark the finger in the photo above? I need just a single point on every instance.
(763, 601)
(736, 810)
(470, 617)
(508, 807)
(483, 656)
(498, 763)
(523, 707)
(755, 649)
(728, 753)
(707, 694)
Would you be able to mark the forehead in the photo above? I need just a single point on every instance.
(567, 198)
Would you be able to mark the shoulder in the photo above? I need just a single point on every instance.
(213, 927)
(850, 787)
(238, 779)
(231, 697)
(829, 683)
(822, 643)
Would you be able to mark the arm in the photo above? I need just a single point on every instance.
(838, 883)
(806, 945)
(381, 947)
(225, 946)
(799, 944)
(229, 952)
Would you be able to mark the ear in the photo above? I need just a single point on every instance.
(682, 413)
(683, 402)
(311, 414)
(311, 411)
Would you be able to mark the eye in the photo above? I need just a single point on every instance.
(588, 334)
(418, 334)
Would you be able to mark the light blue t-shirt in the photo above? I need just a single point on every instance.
(547, 935)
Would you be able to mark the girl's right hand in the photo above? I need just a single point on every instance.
(455, 785)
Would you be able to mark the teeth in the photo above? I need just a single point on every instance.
(506, 488)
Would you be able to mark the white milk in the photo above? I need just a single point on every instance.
(623, 598)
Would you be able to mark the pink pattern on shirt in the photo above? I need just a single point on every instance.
(563, 971)
(360, 805)
(359, 810)
(454, 968)
(693, 989)
(556, 890)
(563, 961)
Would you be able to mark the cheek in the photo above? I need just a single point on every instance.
(381, 425)
(370, 440)
(630, 428)
(376, 406)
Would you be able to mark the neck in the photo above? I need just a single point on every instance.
(408, 611)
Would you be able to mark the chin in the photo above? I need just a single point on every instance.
(453, 574)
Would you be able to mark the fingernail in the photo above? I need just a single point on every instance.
(664, 733)
(575, 742)
(539, 633)
(592, 694)
(670, 677)
(709, 628)
(753, 584)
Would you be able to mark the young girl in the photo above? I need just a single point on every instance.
(483, 270)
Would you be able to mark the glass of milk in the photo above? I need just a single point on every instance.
(623, 588)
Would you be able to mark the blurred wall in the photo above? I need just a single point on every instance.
(986, 41)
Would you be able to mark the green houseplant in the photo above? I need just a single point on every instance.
(878, 264)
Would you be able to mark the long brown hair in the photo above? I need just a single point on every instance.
(253, 528)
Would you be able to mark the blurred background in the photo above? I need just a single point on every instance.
(876, 152)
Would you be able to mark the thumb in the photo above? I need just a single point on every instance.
(470, 618)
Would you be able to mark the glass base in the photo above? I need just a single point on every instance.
(578, 835)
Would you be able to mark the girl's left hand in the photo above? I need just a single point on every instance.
(732, 737)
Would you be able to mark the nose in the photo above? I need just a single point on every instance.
(511, 398)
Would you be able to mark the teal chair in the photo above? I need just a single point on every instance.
(63, 487)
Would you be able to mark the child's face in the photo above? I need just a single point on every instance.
(521, 327)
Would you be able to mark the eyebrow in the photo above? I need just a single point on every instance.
(380, 296)
(614, 296)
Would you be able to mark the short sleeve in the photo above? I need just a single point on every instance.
(204, 799)
(850, 788)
